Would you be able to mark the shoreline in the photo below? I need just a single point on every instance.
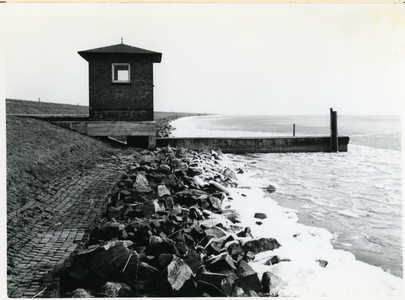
(256, 264)
(209, 216)
(163, 121)
(360, 259)
(308, 221)
(342, 261)
(382, 260)
(154, 223)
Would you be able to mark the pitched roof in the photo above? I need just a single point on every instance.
(120, 49)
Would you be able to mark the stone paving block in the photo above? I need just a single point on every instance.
(65, 212)
(19, 255)
(34, 288)
(30, 293)
(36, 259)
(25, 284)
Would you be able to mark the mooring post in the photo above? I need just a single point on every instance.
(293, 129)
(333, 131)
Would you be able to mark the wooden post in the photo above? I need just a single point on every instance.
(293, 129)
(334, 147)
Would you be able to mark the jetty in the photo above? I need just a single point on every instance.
(243, 145)
(284, 144)
(236, 145)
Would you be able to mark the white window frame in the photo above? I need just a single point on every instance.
(113, 73)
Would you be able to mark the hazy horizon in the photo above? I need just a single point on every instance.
(242, 59)
(208, 113)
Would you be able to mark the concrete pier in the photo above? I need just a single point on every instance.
(143, 135)
(242, 145)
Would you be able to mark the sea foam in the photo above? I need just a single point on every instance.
(301, 246)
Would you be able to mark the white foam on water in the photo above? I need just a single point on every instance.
(346, 245)
(317, 216)
(348, 213)
(344, 276)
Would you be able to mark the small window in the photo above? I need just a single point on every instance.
(120, 73)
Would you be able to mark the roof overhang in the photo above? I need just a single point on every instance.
(121, 50)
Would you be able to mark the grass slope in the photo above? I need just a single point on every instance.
(40, 153)
(31, 107)
(22, 107)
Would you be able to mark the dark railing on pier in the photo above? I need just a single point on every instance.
(334, 141)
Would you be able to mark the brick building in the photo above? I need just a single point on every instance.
(121, 82)
(121, 93)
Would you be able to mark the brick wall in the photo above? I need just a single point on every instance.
(121, 101)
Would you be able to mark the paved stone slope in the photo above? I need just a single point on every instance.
(61, 217)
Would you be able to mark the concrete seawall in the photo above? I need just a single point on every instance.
(140, 130)
(242, 145)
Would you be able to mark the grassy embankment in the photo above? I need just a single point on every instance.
(24, 107)
(32, 107)
(38, 152)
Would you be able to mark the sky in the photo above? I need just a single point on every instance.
(260, 59)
